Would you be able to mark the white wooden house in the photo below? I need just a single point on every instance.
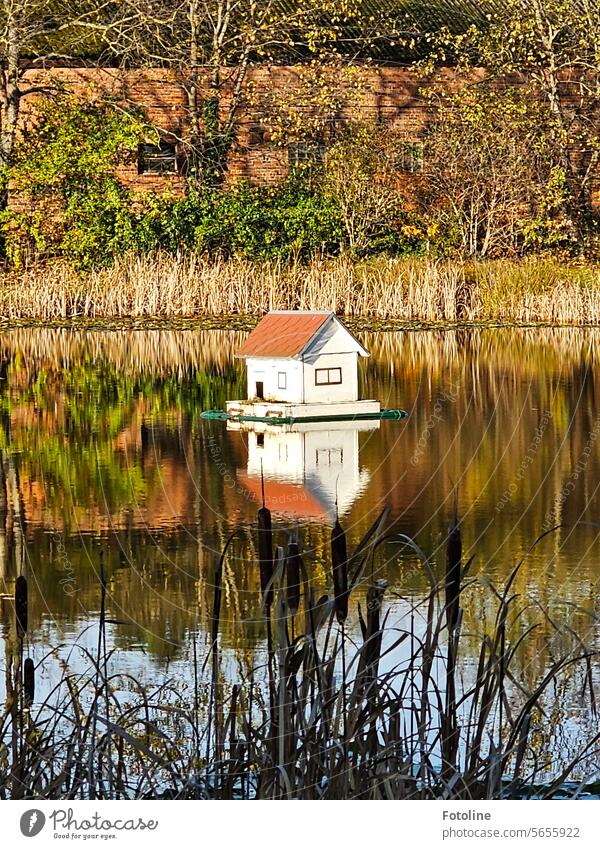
(302, 364)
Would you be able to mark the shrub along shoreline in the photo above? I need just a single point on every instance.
(160, 285)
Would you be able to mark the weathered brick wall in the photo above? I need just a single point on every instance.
(389, 94)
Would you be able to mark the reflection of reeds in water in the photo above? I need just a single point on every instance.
(175, 352)
(411, 289)
(487, 366)
(526, 350)
(406, 719)
(134, 352)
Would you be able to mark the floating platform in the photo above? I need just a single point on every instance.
(277, 412)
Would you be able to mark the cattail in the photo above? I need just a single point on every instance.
(217, 595)
(339, 562)
(265, 554)
(293, 566)
(29, 680)
(21, 606)
(453, 570)
(373, 628)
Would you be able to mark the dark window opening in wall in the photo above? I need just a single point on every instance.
(157, 158)
(328, 376)
(260, 440)
(304, 153)
(256, 135)
(411, 157)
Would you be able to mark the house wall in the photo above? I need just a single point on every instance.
(332, 347)
(391, 95)
(267, 371)
(347, 390)
(301, 378)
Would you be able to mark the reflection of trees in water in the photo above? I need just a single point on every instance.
(101, 436)
(508, 381)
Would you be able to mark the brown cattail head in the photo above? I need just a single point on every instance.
(21, 606)
(265, 554)
(339, 562)
(217, 595)
(453, 573)
(29, 681)
(293, 567)
(375, 595)
(373, 636)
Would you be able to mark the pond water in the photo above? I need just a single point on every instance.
(104, 454)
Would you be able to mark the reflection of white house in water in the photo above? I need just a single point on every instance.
(305, 466)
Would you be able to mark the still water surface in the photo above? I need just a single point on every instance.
(103, 450)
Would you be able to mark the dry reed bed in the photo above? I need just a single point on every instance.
(404, 289)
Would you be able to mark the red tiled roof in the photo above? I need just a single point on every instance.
(282, 334)
(287, 499)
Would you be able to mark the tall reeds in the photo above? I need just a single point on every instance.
(409, 289)
(397, 711)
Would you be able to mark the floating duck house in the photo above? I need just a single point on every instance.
(302, 366)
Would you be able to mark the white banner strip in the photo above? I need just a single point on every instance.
(312, 825)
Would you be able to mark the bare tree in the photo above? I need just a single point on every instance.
(492, 185)
(32, 33)
(214, 44)
(22, 25)
(360, 175)
(555, 45)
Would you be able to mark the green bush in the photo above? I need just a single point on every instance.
(70, 200)
(73, 205)
(282, 222)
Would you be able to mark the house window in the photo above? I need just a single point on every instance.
(157, 159)
(329, 456)
(304, 153)
(328, 376)
(260, 440)
(281, 380)
(411, 157)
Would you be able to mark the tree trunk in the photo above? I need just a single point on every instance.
(10, 98)
(193, 96)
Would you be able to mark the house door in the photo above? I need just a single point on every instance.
(260, 389)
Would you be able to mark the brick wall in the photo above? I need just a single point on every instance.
(389, 94)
